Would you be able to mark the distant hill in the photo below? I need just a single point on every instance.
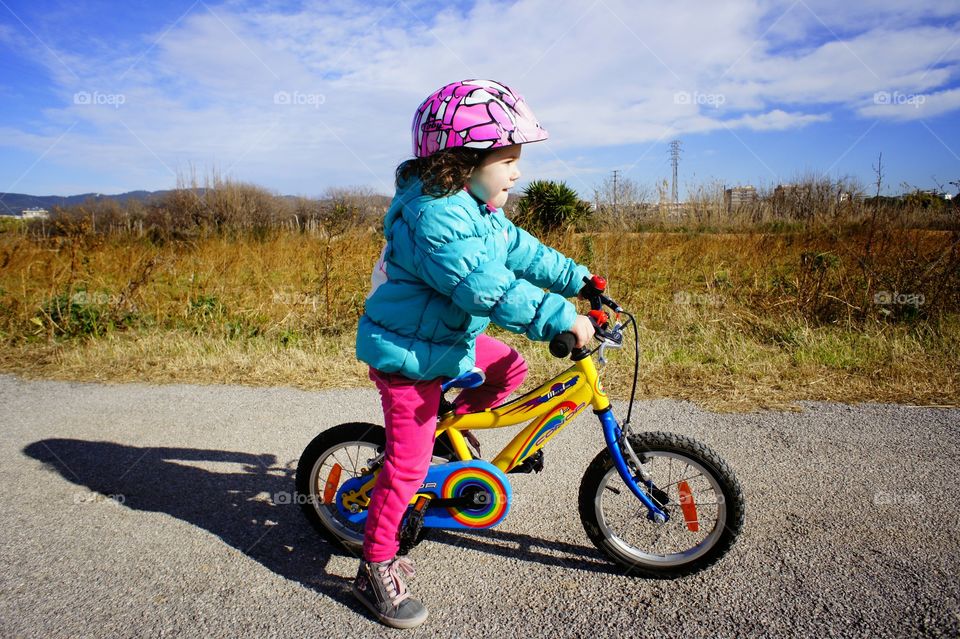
(15, 203)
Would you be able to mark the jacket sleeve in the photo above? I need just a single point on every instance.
(454, 259)
(541, 265)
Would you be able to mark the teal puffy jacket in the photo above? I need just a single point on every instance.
(451, 266)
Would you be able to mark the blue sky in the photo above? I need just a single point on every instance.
(299, 97)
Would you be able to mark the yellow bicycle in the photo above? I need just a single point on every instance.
(658, 504)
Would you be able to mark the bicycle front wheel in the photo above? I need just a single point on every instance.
(686, 480)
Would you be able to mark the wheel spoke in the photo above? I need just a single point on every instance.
(674, 483)
(335, 456)
(356, 462)
(662, 528)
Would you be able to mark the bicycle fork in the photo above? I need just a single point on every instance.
(617, 444)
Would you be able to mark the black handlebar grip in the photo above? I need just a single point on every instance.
(563, 344)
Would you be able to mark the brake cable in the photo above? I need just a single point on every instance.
(636, 370)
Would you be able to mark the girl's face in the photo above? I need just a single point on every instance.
(496, 175)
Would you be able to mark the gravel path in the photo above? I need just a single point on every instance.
(141, 510)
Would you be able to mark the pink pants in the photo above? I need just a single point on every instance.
(410, 416)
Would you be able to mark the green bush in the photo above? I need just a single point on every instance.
(207, 307)
(80, 315)
(550, 206)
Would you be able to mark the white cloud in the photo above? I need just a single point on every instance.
(777, 120)
(603, 74)
(844, 72)
(911, 106)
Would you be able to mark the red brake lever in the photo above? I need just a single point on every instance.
(600, 317)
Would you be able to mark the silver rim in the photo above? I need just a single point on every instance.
(623, 518)
(352, 456)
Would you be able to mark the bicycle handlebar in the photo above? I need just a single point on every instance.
(565, 343)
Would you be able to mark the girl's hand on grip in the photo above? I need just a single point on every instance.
(583, 330)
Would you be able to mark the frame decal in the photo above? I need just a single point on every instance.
(555, 391)
(552, 421)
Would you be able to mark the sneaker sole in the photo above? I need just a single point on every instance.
(402, 624)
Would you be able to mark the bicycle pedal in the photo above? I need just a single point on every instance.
(411, 526)
(532, 464)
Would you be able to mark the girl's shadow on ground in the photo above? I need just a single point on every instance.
(248, 502)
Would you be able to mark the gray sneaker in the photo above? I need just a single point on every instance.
(381, 588)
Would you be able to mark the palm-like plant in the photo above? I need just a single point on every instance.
(548, 206)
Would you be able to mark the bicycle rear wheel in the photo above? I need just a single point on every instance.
(334, 457)
(688, 481)
(331, 459)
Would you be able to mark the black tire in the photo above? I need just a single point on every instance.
(346, 444)
(602, 491)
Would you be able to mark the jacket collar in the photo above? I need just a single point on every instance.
(484, 207)
(413, 190)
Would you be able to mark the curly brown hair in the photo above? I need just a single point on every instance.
(443, 173)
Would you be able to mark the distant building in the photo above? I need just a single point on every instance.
(791, 190)
(937, 193)
(34, 214)
(739, 196)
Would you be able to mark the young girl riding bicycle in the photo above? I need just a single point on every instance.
(452, 264)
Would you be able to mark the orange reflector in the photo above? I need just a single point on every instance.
(333, 480)
(688, 507)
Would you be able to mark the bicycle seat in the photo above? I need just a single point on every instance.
(471, 379)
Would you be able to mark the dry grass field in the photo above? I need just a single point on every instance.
(865, 311)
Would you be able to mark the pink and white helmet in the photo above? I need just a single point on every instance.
(481, 114)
